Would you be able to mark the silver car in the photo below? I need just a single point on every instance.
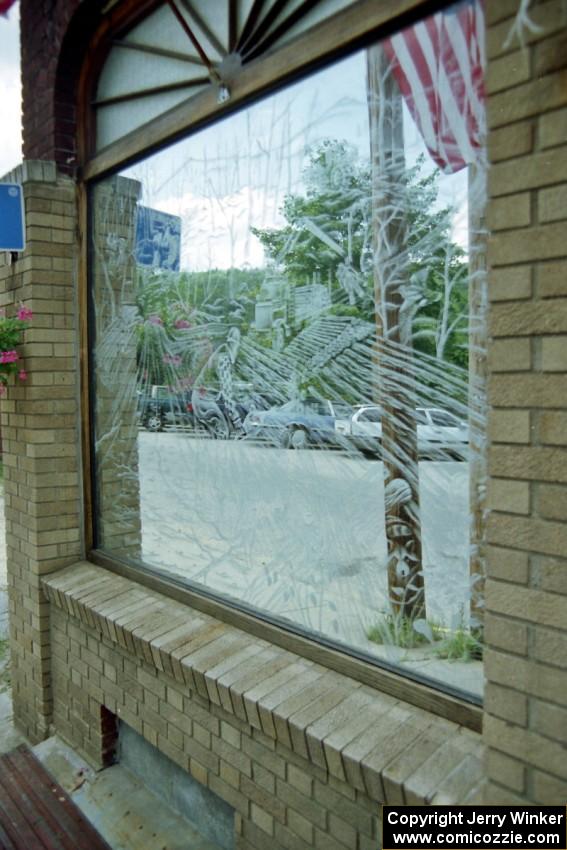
(440, 434)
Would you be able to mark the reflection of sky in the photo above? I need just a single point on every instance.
(235, 174)
(10, 91)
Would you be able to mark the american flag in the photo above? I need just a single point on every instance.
(5, 6)
(439, 67)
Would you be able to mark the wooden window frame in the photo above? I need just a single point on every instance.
(340, 35)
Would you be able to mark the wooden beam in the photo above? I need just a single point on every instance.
(232, 24)
(190, 34)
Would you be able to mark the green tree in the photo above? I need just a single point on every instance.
(327, 237)
(327, 224)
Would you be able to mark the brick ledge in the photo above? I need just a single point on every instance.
(390, 750)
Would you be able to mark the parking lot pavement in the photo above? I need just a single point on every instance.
(300, 534)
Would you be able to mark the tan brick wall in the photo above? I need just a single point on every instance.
(281, 800)
(305, 756)
(526, 593)
(40, 432)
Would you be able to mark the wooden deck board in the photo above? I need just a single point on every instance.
(36, 812)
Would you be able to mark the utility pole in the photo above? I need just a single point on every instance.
(393, 345)
(477, 389)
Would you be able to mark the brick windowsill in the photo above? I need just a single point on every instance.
(390, 750)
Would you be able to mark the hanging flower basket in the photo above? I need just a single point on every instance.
(10, 336)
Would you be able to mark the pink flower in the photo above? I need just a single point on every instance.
(22, 374)
(24, 314)
(182, 323)
(8, 356)
(155, 320)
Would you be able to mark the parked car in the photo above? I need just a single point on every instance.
(299, 423)
(440, 434)
(212, 413)
(161, 407)
(202, 407)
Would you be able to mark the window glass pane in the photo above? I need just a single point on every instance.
(255, 286)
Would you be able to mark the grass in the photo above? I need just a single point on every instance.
(459, 645)
(401, 631)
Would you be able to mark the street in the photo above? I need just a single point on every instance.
(299, 534)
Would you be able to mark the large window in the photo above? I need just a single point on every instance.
(288, 355)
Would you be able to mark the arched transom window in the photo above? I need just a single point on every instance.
(185, 46)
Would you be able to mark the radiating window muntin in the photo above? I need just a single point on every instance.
(184, 47)
(281, 323)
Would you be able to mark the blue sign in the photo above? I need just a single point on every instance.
(158, 239)
(12, 228)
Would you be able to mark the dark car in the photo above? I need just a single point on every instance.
(298, 424)
(161, 407)
(212, 412)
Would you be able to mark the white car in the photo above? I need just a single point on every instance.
(440, 434)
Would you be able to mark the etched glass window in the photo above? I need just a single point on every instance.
(288, 355)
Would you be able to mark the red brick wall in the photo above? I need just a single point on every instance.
(54, 35)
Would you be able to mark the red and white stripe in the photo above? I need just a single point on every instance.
(439, 67)
(5, 6)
